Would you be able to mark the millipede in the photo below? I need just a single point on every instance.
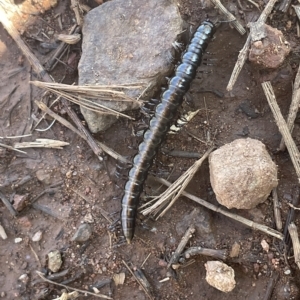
(160, 124)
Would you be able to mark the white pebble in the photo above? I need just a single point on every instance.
(37, 236)
(18, 240)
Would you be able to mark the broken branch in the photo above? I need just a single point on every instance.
(220, 210)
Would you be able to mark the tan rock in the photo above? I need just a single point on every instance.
(220, 276)
(242, 173)
(270, 51)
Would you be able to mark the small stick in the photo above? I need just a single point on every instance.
(8, 205)
(220, 210)
(75, 7)
(132, 273)
(282, 126)
(271, 285)
(58, 275)
(143, 280)
(177, 187)
(184, 154)
(229, 16)
(175, 257)
(42, 143)
(95, 147)
(16, 136)
(71, 288)
(11, 148)
(296, 244)
(244, 52)
(276, 208)
(293, 108)
(145, 259)
(290, 219)
(60, 49)
(36, 256)
(218, 254)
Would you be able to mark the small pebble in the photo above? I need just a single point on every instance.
(69, 174)
(54, 261)
(20, 202)
(2, 294)
(83, 233)
(43, 176)
(235, 250)
(24, 278)
(37, 236)
(18, 240)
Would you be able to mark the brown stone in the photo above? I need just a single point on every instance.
(242, 173)
(270, 51)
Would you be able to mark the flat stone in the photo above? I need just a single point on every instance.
(125, 42)
(270, 51)
(54, 261)
(83, 233)
(220, 276)
(242, 173)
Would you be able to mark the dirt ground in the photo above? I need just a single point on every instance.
(83, 189)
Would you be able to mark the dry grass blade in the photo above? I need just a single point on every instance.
(77, 94)
(224, 212)
(176, 189)
(282, 126)
(70, 39)
(71, 288)
(42, 143)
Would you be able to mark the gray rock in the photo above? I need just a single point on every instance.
(125, 42)
(242, 173)
(83, 233)
(54, 261)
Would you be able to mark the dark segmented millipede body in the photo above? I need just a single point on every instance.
(160, 123)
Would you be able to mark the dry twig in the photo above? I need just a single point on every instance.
(296, 244)
(271, 286)
(175, 257)
(282, 126)
(229, 16)
(71, 288)
(142, 286)
(8, 205)
(42, 143)
(106, 94)
(276, 208)
(218, 254)
(222, 211)
(244, 52)
(293, 108)
(176, 189)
